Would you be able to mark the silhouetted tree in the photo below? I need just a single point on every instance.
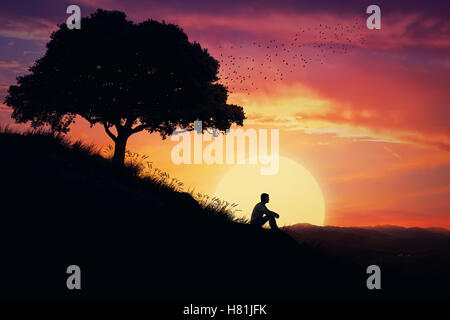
(131, 77)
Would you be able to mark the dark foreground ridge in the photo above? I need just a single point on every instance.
(63, 204)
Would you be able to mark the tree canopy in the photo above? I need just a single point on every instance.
(126, 76)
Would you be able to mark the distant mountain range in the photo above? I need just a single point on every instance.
(410, 257)
(386, 239)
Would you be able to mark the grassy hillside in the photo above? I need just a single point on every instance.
(133, 237)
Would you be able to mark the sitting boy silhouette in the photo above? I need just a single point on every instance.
(260, 214)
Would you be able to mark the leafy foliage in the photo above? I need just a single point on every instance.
(133, 77)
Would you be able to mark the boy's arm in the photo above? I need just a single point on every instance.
(276, 215)
(271, 213)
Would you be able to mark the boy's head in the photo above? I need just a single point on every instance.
(264, 198)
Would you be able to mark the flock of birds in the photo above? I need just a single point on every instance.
(275, 60)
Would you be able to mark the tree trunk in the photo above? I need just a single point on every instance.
(119, 150)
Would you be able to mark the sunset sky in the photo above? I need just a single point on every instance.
(366, 112)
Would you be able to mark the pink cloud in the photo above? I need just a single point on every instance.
(27, 28)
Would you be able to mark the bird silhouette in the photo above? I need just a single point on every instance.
(243, 66)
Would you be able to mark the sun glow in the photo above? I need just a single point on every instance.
(294, 193)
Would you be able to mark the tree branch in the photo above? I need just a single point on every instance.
(129, 123)
(138, 128)
(110, 134)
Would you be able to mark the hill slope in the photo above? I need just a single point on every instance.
(63, 205)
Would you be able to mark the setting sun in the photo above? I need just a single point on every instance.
(294, 193)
